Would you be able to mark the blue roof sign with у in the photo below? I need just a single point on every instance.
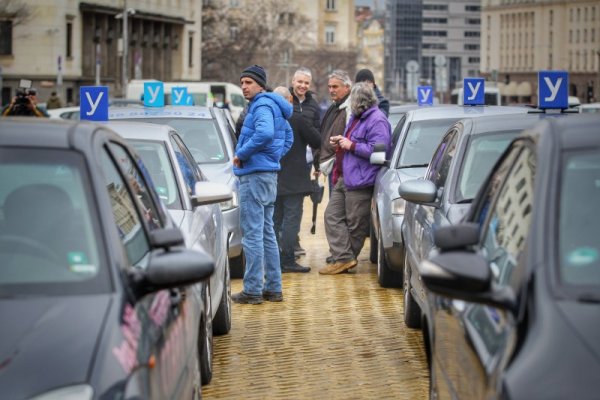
(154, 94)
(94, 103)
(179, 96)
(473, 91)
(553, 89)
(424, 95)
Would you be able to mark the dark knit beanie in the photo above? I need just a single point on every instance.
(256, 73)
(364, 75)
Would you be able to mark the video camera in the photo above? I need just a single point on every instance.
(23, 100)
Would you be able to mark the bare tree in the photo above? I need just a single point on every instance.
(15, 10)
(254, 33)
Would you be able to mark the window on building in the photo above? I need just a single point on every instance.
(473, 8)
(472, 34)
(435, 20)
(330, 35)
(191, 51)
(435, 7)
(435, 46)
(435, 33)
(473, 21)
(474, 60)
(472, 46)
(69, 41)
(330, 5)
(551, 17)
(234, 3)
(5, 37)
(233, 32)
(593, 35)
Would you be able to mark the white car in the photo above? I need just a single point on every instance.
(192, 202)
(64, 113)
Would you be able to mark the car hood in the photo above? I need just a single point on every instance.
(219, 172)
(48, 342)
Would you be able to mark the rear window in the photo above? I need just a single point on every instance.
(49, 235)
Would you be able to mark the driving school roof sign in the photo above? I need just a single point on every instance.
(553, 89)
(94, 103)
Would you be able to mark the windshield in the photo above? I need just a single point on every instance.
(49, 238)
(421, 140)
(156, 160)
(579, 229)
(482, 153)
(199, 135)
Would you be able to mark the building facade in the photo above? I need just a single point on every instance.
(370, 43)
(65, 44)
(441, 36)
(521, 38)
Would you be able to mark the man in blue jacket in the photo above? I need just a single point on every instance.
(265, 137)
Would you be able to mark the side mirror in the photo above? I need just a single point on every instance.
(378, 156)
(465, 276)
(210, 193)
(172, 269)
(456, 237)
(420, 191)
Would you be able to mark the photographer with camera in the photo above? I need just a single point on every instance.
(24, 103)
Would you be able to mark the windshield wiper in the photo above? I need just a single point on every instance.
(588, 298)
(413, 166)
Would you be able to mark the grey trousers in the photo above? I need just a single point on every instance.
(347, 221)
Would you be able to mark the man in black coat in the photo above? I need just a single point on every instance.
(293, 184)
(308, 107)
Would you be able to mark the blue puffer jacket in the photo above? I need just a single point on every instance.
(266, 134)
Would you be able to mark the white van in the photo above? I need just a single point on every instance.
(203, 93)
(491, 93)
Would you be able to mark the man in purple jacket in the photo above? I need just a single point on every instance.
(348, 210)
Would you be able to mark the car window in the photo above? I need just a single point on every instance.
(129, 226)
(421, 140)
(483, 151)
(442, 159)
(138, 183)
(238, 100)
(201, 136)
(187, 165)
(156, 160)
(579, 222)
(398, 128)
(50, 239)
(509, 219)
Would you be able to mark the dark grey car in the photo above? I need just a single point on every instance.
(460, 164)
(517, 287)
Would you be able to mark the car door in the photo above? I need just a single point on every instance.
(425, 218)
(158, 327)
(205, 220)
(476, 340)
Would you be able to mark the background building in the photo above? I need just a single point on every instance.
(370, 32)
(418, 31)
(520, 39)
(64, 44)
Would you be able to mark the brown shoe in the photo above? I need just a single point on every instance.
(338, 267)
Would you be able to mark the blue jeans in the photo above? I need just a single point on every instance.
(257, 203)
(288, 214)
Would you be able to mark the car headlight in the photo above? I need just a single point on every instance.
(229, 204)
(398, 206)
(77, 392)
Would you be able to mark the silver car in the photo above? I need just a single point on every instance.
(211, 140)
(458, 168)
(191, 200)
(418, 136)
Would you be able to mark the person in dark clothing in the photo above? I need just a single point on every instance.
(293, 183)
(365, 75)
(305, 105)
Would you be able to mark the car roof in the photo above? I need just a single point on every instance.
(168, 111)
(571, 133)
(43, 132)
(403, 108)
(499, 123)
(141, 130)
(456, 111)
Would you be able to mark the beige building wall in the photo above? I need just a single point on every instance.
(521, 38)
(371, 50)
(42, 39)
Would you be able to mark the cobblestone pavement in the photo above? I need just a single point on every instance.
(333, 337)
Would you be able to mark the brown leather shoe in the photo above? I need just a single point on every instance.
(338, 267)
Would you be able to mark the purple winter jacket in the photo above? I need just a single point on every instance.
(372, 128)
